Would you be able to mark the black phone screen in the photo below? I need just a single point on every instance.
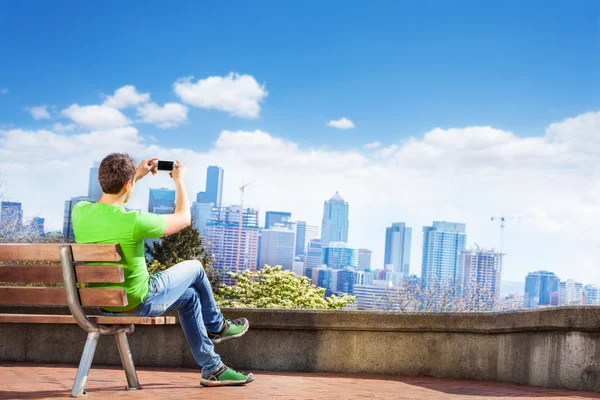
(165, 165)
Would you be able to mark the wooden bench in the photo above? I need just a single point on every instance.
(70, 274)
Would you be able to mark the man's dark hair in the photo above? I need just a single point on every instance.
(115, 170)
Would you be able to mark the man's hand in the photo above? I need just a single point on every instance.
(148, 165)
(178, 171)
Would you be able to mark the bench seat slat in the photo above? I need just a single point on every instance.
(68, 319)
(53, 273)
(49, 252)
(57, 296)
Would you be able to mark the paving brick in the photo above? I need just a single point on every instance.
(36, 381)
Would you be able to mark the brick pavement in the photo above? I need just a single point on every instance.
(36, 381)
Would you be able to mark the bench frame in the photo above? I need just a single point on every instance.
(94, 331)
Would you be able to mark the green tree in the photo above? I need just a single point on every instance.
(183, 245)
(272, 287)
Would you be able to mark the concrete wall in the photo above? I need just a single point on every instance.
(556, 347)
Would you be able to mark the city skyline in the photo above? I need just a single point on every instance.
(473, 269)
(459, 123)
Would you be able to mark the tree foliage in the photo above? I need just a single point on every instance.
(440, 297)
(183, 245)
(273, 287)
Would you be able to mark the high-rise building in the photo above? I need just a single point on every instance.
(364, 259)
(342, 280)
(337, 255)
(570, 293)
(201, 213)
(539, 286)
(161, 201)
(94, 188)
(298, 266)
(304, 234)
(37, 225)
(276, 217)
(443, 243)
(201, 198)
(397, 248)
(278, 245)
(11, 215)
(214, 185)
(372, 296)
(314, 257)
(222, 240)
(592, 294)
(67, 221)
(482, 274)
(321, 277)
(335, 223)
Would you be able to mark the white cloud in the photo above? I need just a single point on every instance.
(464, 175)
(342, 123)
(168, 116)
(96, 117)
(39, 112)
(61, 128)
(372, 145)
(388, 151)
(239, 95)
(4, 91)
(126, 96)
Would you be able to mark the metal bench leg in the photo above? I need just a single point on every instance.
(84, 364)
(127, 360)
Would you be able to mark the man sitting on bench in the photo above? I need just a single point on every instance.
(183, 287)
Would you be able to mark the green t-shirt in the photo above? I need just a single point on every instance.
(107, 223)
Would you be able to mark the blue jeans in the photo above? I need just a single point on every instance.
(185, 288)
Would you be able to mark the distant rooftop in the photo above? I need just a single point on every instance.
(337, 197)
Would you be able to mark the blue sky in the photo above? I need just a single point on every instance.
(480, 108)
(395, 68)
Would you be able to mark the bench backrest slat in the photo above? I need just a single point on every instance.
(53, 273)
(49, 252)
(57, 296)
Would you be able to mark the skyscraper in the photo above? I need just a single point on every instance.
(443, 243)
(214, 185)
(397, 248)
(276, 217)
(335, 223)
(592, 294)
(364, 259)
(201, 213)
(314, 257)
(342, 280)
(222, 239)
(278, 245)
(304, 234)
(539, 286)
(570, 293)
(337, 255)
(161, 201)
(482, 274)
(94, 188)
(201, 198)
(37, 225)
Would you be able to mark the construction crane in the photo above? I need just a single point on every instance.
(503, 221)
(239, 241)
(502, 226)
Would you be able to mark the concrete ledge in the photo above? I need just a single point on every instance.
(555, 347)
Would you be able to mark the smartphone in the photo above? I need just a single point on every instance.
(165, 165)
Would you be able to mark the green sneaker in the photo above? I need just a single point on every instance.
(230, 330)
(226, 377)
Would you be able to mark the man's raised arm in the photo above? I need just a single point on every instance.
(182, 217)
